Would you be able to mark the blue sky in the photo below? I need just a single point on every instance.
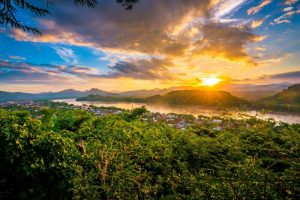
(157, 44)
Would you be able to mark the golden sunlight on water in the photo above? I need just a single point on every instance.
(191, 110)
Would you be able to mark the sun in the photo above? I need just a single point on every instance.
(210, 81)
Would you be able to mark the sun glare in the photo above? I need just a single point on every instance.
(210, 81)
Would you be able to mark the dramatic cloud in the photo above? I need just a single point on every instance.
(257, 8)
(166, 28)
(158, 41)
(228, 42)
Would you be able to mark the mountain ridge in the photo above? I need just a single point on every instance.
(245, 91)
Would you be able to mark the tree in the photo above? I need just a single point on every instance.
(10, 8)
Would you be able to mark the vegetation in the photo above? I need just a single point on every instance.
(63, 153)
(198, 97)
(288, 100)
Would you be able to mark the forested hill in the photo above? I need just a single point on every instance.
(198, 97)
(182, 97)
(289, 96)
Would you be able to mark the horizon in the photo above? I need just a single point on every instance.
(155, 45)
(217, 87)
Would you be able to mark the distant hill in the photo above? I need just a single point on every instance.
(245, 91)
(287, 100)
(153, 92)
(289, 96)
(198, 97)
(65, 94)
(182, 97)
(252, 92)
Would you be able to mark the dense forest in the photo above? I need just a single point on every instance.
(57, 152)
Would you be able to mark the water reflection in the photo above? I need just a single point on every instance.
(192, 110)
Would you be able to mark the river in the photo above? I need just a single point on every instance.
(192, 110)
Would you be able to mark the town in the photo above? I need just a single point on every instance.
(179, 121)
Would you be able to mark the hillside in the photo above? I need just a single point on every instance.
(198, 97)
(252, 92)
(182, 97)
(287, 100)
(289, 96)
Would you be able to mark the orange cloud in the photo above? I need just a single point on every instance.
(290, 2)
(257, 23)
(257, 8)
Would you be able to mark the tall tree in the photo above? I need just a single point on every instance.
(10, 8)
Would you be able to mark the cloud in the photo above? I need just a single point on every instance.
(66, 54)
(153, 69)
(287, 75)
(286, 17)
(260, 48)
(257, 23)
(166, 28)
(257, 8)
(26, 73)
(40, 72)
(291, 77)
(273, 58)
(227, 42)
(287, 9)
(290, 2)
(17, 57)
(142, 69)
(225, 7)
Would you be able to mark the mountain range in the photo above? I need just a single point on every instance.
(245, 91)
(65, 94)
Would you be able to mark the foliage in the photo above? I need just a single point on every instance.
(68, 153)
(287, 100)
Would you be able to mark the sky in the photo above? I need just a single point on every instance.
(157, 44)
